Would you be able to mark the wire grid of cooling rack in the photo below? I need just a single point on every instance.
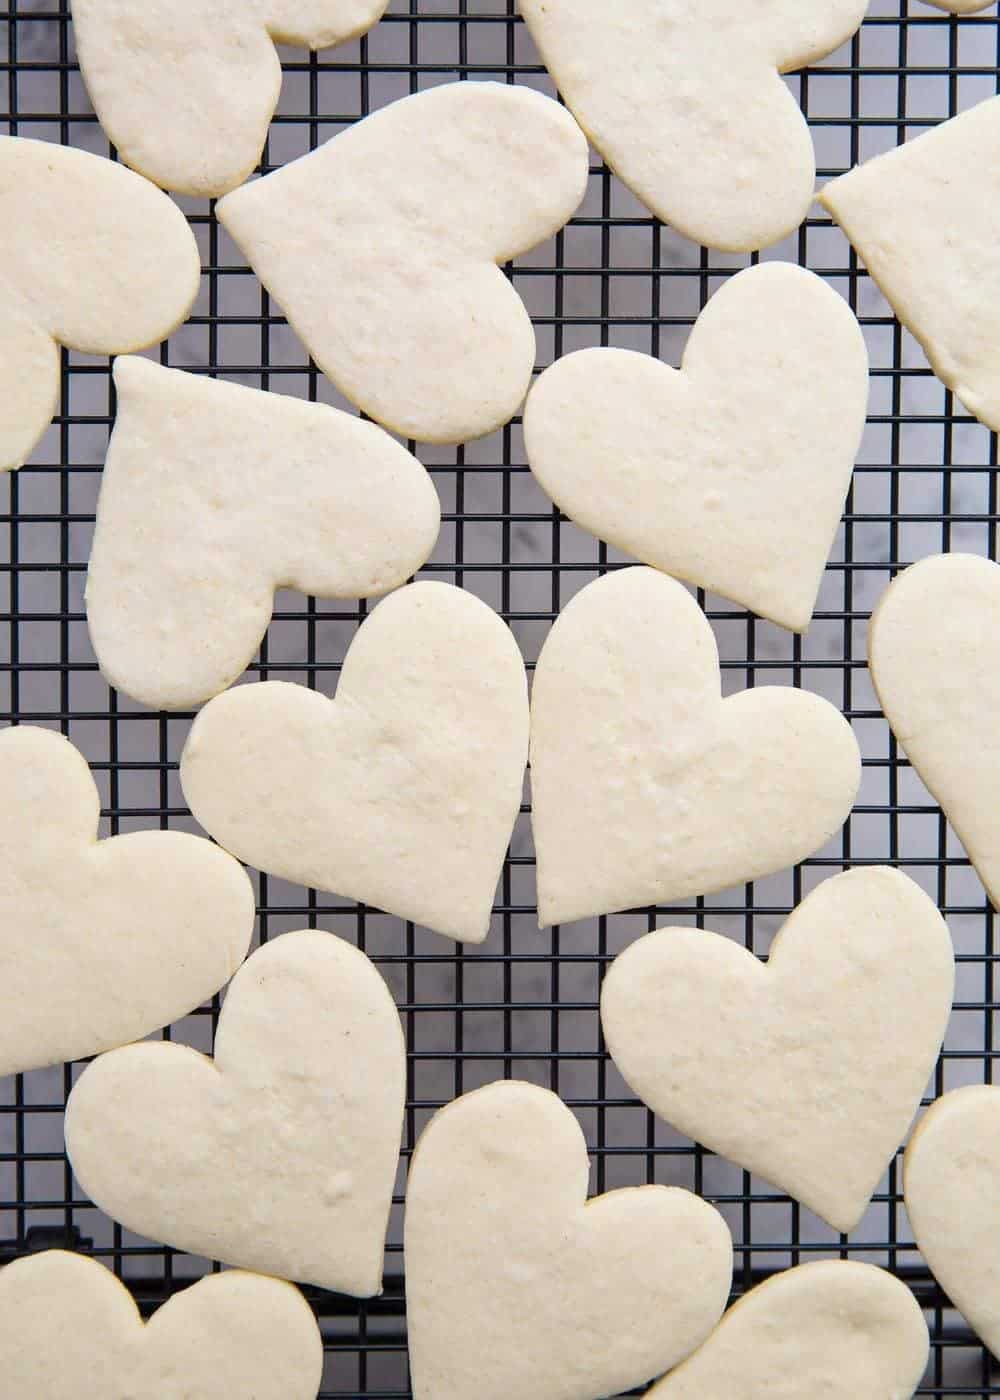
(525, 1003)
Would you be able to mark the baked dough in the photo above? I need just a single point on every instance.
(646, 785)
(382, 248)
(91, 257)
(732, 472)
(186, 88)
(516, 1285)
(281, 1154)
(402, 792)
(687, 105)
(101, 942)
(213, 496)
(934, 652)
(836, 1329)
(925, 219)
(951, 1183)
(771, 1065)
(69, 1329)
(960, 7)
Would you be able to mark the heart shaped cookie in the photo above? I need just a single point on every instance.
(403, 792)
(951, 1182)
(934, 653)
(646, 785)
(517, 1285)
(101, 942)
(838, 1329)
(187, 91)
(922, 217)
(91, 257)
(253, 492)
(687, 105)
(732, 472)
(771, 1064)
(382, 248)
(279, 1155)
(69, 1329)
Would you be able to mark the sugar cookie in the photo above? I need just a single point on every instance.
(213, 496)
(687, 104)
(771, 1065)
(186, 91)
(403, 791)
(646, 785)
(382, 248)
(278, 1155)
(951, 1181)
(101, 942)
(69, 1329)
(835, 1328)
(960, 7)
(934, 652)
(732, 472)
(925, 218)
(518, 1286)
(91, 257)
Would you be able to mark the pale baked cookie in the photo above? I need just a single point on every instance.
(517, 1285)
(101, 942)
(278, 1155)
(836, 1329)
(382, 248)
(951, 1182)
(934, 653)
(186, 89)
(770, 1064)
(91, 257)
(403, 791)
(213, 496)
(925, 218)
(687, 105)
(646, 785)
(69, 1330)
(732, 472)
(960, 7)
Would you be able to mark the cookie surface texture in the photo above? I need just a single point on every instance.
(382, 248)
(951, 1184)
(230, 1334)
(518, 1285)
(92, 257)
(213, 496)
(770, 1064)
(402, 792)
(646, 785)
(101, 942)
(186, 89)
(836, 1328)
(731, 472)
(934, 656)
(305, 1094)
(925, 219)
(687, 104)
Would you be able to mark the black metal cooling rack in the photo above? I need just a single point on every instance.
(525, 1003)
